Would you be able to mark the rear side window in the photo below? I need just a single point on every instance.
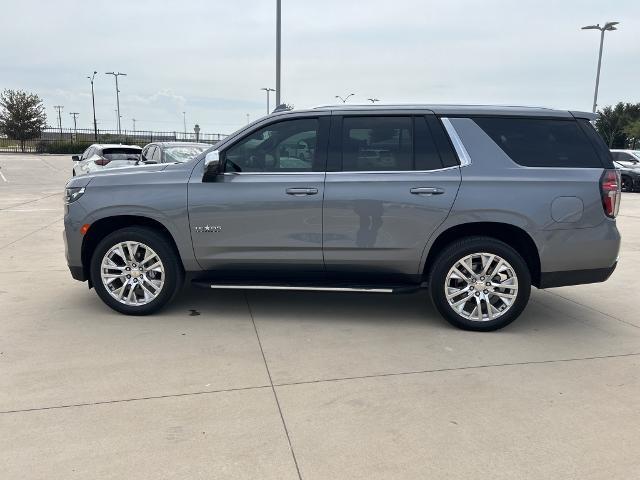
(388, 143)
(534, 142)
(377, 144)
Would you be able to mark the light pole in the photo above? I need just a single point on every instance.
(116, 75)
(607, 26)
(267, 89)
(184, 123)
(373, 100)
(134, 125)
(93, 102)
(278, 24)
(344, 100)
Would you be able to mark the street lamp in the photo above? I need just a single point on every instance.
(93, 101)
(607, 26)
(266, 89)
(116, 75)
(373, 100)
(344, 100)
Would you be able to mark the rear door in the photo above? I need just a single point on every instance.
(394, 180)
(263, 212)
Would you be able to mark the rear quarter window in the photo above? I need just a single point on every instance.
(537, 142)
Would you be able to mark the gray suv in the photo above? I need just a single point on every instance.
(474, 203)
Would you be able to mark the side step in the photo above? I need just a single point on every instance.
(314, 288)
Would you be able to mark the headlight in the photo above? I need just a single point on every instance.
(72, 194)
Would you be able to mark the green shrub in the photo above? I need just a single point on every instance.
(62, 147)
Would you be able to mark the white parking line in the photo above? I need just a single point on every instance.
(3, 177)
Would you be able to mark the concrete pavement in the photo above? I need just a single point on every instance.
(285, 385)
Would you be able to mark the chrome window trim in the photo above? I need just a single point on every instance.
(351, 172)
(463, 155)
(396, 171)
(273, 173)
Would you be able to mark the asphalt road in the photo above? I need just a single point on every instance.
(287, 385)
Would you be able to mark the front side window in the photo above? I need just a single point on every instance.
(534, 142)
(287, 146)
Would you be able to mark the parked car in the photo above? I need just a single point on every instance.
(100, 156)
(628, 162)
(477, 204)
(171, 152)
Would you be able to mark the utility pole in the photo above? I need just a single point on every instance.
(117, 119)
(278, 25)
(134, 124)
(607, 27)
(93, 101)
(116, 75)
(267, 89)
(59, 109)
(75, 129)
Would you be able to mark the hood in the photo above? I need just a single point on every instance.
(84, 180)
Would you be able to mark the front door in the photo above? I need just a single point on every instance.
(393, 186)
(263, 212)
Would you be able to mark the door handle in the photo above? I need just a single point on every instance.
(427, 191)
(299, 192)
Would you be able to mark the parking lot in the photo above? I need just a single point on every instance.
(286, 385)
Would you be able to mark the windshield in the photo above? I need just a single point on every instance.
(183, 153)
(132, 154)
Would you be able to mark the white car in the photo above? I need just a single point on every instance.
(100, 156)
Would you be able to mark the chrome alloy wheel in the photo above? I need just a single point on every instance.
(481, 287)
(132, 273)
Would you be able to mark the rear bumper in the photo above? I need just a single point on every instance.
(575, 277)
(77, 273)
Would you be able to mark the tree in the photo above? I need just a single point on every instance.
(22, 115)
(613, 120)
(633, 132)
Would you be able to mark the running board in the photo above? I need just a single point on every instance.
(312, 288)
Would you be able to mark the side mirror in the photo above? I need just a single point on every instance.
(212, 162)
(75, 158)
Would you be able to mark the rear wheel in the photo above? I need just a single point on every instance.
(480, 283)
(136, 271)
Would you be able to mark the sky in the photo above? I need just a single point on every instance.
(211, 58)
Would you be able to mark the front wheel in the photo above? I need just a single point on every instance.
(136, 271)
(480, 283)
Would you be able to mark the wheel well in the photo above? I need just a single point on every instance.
(513, 236)
(103, 227)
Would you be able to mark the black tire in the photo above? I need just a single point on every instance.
(458, 250)
(173, 271)
(627, 184)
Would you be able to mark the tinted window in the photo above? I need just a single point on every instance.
(426, 153)
(377, 143)
(597, 141)
(624, 157)
(541, 142)
(288, 146)
(121, 153)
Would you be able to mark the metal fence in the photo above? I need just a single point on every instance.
(69, 140)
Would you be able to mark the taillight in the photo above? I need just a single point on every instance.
(610, 190)
(101, 161)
